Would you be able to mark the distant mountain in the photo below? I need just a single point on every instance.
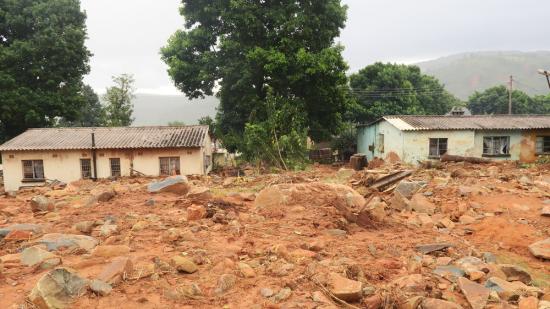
(465, 73)
(151, 109)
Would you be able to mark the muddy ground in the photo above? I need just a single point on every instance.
(227, 244)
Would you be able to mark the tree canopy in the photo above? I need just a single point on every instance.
(495, 101)
(119, 108)
(42, 62)
(245, 49)
(91, 114)
(396, 89)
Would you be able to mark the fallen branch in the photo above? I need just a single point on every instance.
(451, 158)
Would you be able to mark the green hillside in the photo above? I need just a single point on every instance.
(465, 73)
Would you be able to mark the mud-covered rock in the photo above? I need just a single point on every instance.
(57, 289)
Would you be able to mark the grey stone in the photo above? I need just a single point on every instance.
(41, 203)
(266, 292)
(336, 232)
(476, 294)
(429, 248)
(488, 257)
(409, 188)
(56, 241)
(283, 295)
(57, 289)
(545, 211)
(34, 255)
(85, 227)
(107, 230)
(101, 288)
(150, 202)
(225, 283)
(449, 272)
(105, 196)
(176, 184)
(515, 273)
(35, 228)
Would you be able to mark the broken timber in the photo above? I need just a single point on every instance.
(385, 181)
(451, 158)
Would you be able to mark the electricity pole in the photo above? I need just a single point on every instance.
(510, 95)
(547, 74)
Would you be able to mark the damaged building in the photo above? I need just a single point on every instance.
(416, 138)
(68, 154)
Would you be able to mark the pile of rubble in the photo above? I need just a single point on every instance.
(456, 236)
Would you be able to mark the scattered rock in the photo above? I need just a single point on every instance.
(175, 184)
(545, 211)
(411, 283)
(85, 227)
(476, 294)
(57, 289)
(541, 249)
(199, 193)
(57, 241)
(408, 188)
(345, 289)
(118, 270)
(449, 272)
(429, 248)
(107, 230)
(105, 196)
(465, 219)
(528, 303)
(196, 212)
(399, 202)
(100, 288)
(140, 226)
(183, 264)
(515, 273)
(225, 283)
(41, 203)
(266, 292)
(420, 203)
(510, 290)
(445, 223)
(150, 202)
(283, 295)
(246, 270)
(36, 256)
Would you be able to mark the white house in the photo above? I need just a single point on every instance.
(68, 154)
(417, 138)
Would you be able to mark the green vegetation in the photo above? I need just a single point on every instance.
(251, 48)
(396, 89)
(176, 123)
(119, 98)
(42, 62)
(495, 101)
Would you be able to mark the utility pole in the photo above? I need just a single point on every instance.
(547, 74)
(510, 95)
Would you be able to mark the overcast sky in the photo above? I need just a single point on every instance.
(125, 35)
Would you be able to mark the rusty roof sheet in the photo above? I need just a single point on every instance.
(477, 122)
(108, 138)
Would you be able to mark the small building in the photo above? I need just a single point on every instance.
(417, 138)
(68, 154)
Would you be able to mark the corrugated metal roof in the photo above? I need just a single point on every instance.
(108, 138)
(477, 122)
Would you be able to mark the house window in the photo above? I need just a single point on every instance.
(115, 167)
(86, 168)
(438, 147)
(169, 166)
(496, 146)
(381, 143)
(33, 170)
(543, 145)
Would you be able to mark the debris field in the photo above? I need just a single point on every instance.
(448, 235)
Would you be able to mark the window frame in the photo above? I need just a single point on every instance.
(82, 171)
(170, 161)
(438, 147)
(113, 171)
(33, 165)
(381, 143)
(540, 140)
(493, 154)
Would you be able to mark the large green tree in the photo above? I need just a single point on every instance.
(42, 62)
(92, 113)
(396, 89)
(119, 107)
(495, 101)
(243, 49)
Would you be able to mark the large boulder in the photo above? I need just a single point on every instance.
(41, 203)
(57, 289)
(175, 184)
(57, 241)
(33, 256)
(275, 201)
(541, 249)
